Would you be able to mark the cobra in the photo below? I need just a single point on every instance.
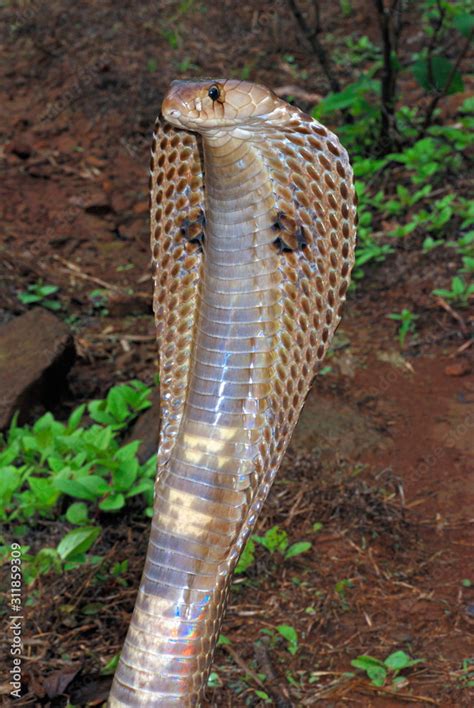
(252, 233)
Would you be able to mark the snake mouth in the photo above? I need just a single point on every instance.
(172, 114)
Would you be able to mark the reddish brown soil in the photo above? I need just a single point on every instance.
(381, 455)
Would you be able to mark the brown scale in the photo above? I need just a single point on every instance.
(176, 191)
(313, 299)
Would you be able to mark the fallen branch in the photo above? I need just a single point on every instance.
(73, 268)
(455, 315)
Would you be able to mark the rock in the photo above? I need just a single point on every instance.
(36, 353)
(459, 368)
(147, 429)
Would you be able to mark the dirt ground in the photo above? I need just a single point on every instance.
(382, 456)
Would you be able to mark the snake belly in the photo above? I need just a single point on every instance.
(252, 247)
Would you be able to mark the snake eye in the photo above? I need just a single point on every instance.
(214, 93)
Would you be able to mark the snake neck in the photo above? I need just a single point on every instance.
(226, 405)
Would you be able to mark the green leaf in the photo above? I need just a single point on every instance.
(213, 681)
(102, 438)
(28, 298)
(399, 660)
(377, 675)
(275, 539)
(457, 285)
(74, 488)
(45, 290)
(464, 24)
(289, 633)
(9, 481)
(125, 476)
(441, 71)
(117, 405)
(75, 418)
(127, 452)
(95, 485)
(52, 305)
(88, 487)
(77, 513)
(346, 98)
(110, 666)
(296, 548)
(77, 541)
(222, 641)
(112, 503)
(261, 694)
(247, 557)
(364, 662)
(145, 485)
(43, 490)
(97, 412)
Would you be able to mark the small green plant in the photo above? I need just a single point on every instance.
(460, 292)
(464, 246)
(288, 633)
(214, 681)
(427, 159)
(110, 666)
(340, 588)
(379, 671)
(346, 7)
(466, 679)
(361, 49)
(262, 695)
(46, 464)
(99, 300)
(274, 540)
(429, 244)
(406, 318)
(40, 293)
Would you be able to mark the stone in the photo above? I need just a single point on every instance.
(459, 368)
(36, 353)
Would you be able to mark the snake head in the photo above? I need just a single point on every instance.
(207, 105)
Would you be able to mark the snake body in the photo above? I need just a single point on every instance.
(253, 233)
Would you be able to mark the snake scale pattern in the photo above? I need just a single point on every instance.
(253, 233)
